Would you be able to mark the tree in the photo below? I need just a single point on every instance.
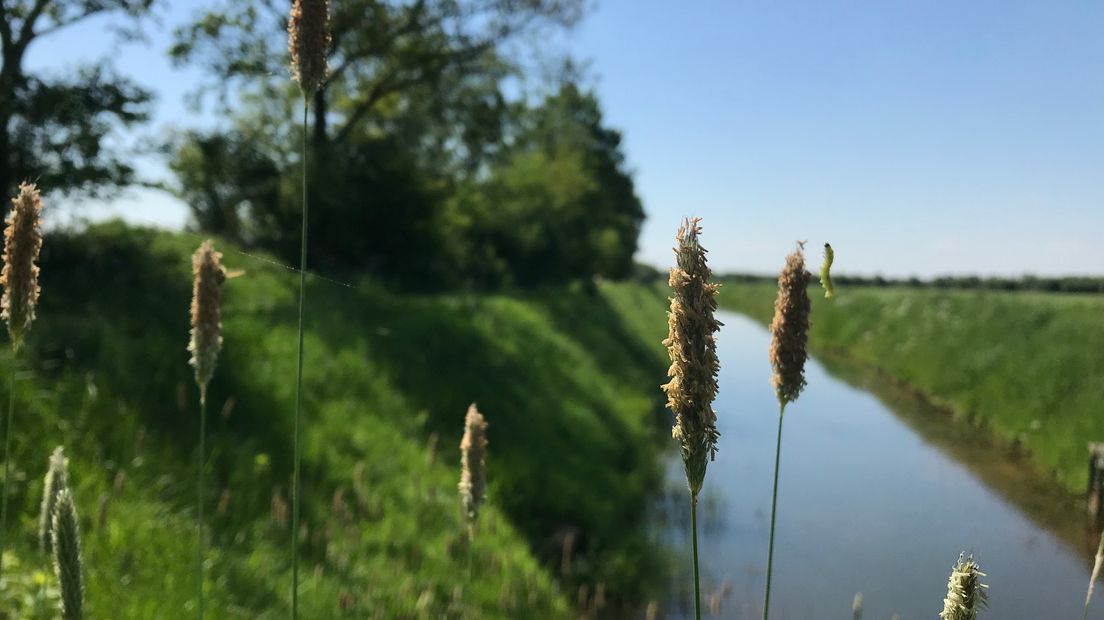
(53, 129)
(383, 55)
(413, 106)
(561, 204)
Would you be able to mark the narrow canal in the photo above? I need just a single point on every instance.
(870, 501)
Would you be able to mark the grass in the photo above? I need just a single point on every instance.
(1028, 367)
(568, 380)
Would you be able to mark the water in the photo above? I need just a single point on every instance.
(868, 503)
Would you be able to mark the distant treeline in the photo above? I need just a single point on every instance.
(1064, 284)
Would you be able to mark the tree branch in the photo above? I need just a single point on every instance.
(61, 25)
(5, 28)
(427, 65)
(26, 32)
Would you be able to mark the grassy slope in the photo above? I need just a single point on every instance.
(1027, 366)
(567, 380)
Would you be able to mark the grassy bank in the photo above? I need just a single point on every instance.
(568, 381)
(1028, 367)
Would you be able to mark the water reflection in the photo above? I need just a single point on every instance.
(868, 503)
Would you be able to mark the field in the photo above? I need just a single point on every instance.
(567, 378)
(1027, 367)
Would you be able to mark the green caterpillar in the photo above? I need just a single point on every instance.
(826, 271)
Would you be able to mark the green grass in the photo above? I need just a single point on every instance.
(568, 380)
(1027, 367)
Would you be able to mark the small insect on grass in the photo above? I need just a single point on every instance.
(826, 271)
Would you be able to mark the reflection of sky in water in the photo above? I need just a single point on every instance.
(865, 505)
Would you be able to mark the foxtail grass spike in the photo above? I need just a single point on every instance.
(826, 271)
(966, 594)
(857, 606)
(309, 43)
(473, 466)
(206, 333)
(1097, 565)
(790, 329)
(789, 337)
(205, 344)
(67, 557)
(57, 479)
(19, 277)
(692, 348)
(22, 243)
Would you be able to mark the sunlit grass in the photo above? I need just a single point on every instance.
(572, 434)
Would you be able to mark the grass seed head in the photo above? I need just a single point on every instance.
(57, 478)
(473, 467)
(692, 348)
(790, 329)
(966, 595)
(1098, 563)
(67, 557)
(309, 43)
(206, 334)
(22, 243)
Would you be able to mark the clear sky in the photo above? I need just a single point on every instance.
(918, 137)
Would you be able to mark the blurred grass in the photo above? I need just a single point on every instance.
(568, 379)
(1027, 367)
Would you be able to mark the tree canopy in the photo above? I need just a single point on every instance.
(422, 168)
(53, 129)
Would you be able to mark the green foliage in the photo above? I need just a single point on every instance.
(55, 130)
(560, 205)
(567, 378)
(424, 172)
(1027, 366)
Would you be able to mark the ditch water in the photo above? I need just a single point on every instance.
(875, 498)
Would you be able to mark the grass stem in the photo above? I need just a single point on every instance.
(694, 536)
(1098, 560)
(7, 466)
(774, 511)
(298, 490)
(199, 502)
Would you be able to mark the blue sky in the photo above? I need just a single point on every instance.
(918, 137)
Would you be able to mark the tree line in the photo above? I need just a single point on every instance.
(436, 162)
(1048, 284)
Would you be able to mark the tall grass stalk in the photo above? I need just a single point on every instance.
(1097, 565)
(774, 510)
(57, 479)
(296, 486)
(200, 541)
(7, 465)
(473, 466)
(788, 352)
(204, 344)
(966, 594)
(22, 243)
(67, 557)
(692, 348)
(308, 44)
